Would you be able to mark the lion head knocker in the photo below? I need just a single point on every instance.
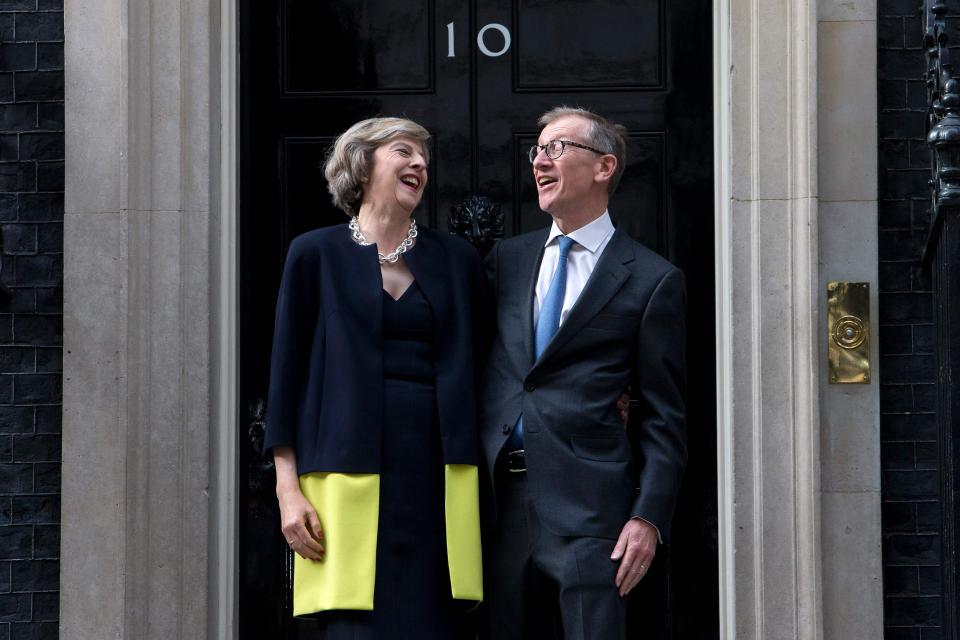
(477, 219)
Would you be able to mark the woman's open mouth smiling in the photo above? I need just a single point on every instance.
(411, 181)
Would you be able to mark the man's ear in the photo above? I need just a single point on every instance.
(606, 167)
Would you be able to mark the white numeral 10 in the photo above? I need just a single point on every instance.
(481, 44)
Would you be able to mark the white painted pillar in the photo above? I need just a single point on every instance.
(141, 437)
(767, 295)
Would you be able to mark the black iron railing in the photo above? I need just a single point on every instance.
(942, 257)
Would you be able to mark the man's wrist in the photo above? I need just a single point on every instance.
(655, 528)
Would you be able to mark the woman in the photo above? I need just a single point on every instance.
(370, 412)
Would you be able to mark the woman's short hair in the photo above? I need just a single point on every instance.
(349, 160)
(603, 135)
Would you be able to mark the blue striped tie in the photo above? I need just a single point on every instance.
(547, 323)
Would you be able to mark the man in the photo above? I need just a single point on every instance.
(583, 313)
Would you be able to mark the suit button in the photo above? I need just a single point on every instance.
(505, 428)
(529, 386)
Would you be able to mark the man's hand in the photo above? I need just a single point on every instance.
(635, 550)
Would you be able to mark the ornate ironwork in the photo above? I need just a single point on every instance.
(943, 121)
(260, 467)
(479, 220)
(942, 258)
(257, 430)
(944, 141)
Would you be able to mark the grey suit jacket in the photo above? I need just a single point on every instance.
(586, 474)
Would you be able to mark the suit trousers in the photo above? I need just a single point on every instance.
(541, 585)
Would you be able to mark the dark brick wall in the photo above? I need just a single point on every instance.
(908, 430)
(31, 320)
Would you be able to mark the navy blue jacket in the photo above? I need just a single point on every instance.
(326, 373)
(586, 474)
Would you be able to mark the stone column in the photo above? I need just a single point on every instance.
(850, 414)
(140, 249)
(767, 294)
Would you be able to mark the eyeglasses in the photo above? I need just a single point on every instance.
(554, 149)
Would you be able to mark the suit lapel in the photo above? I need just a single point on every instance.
(530, 265)
(607, 278)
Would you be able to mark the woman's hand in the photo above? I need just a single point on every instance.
(298, 519)
(300, 524)
(623, 404)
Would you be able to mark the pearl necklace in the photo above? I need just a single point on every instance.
(407, 242)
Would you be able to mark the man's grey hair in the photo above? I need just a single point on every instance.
(351, 157)
(604, 135)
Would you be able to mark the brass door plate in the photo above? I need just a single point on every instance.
(848, 332)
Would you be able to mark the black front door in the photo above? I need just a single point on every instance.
(477, 74)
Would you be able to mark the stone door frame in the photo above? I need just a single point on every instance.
(150, 504)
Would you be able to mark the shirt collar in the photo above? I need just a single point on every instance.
(590, 236)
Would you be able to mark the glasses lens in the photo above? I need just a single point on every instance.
(554, 149)
(532, 154)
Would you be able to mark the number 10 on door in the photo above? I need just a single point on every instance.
(481, 40)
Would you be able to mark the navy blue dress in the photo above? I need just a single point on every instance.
(412, 590)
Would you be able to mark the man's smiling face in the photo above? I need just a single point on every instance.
(566, 185)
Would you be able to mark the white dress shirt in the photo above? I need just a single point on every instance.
(589, 242)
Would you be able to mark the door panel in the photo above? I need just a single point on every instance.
(561, 47)
(311, 69)
(342, 46)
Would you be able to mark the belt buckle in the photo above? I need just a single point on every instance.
(516, 461)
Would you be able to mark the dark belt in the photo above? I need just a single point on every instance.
(515, 461)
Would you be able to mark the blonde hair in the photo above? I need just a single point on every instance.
(604, 135)
(348, 162)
